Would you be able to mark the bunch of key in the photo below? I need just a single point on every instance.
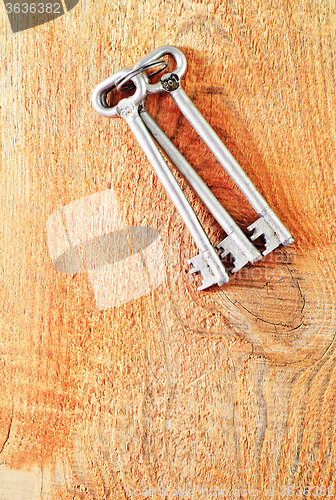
(209, 261)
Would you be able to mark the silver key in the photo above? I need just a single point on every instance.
(208, 262)
(268, 225)
(236, 243)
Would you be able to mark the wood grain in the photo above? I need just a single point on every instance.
(232, 388)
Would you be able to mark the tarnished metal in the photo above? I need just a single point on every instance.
(269, 225)
(208, 262)
(236, 243)
(146, 130)
(121, 85)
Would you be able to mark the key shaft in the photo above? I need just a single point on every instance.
(229, 163)
(209, 257)
(236, 243)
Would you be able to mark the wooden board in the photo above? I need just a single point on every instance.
(231, 390)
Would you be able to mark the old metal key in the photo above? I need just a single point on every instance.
(208, 262)
(236, 243)
(268, 224)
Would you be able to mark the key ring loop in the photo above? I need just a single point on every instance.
(103, 88)
(180, 59)
(135, 75)
(120, 84)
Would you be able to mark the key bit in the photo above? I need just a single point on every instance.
(230, 247)
(204, 264)
(234, 244)
(261, 228)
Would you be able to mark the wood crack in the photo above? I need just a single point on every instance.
(8, 433)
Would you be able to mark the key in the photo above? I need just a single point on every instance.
(208, 262)
(236, 243)
(268, 224)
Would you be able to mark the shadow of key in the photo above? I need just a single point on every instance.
(24, 15)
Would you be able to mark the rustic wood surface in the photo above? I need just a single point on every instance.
(233, 388)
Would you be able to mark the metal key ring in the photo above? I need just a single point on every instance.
(102, 89)
(181, 64)
(122, 82)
